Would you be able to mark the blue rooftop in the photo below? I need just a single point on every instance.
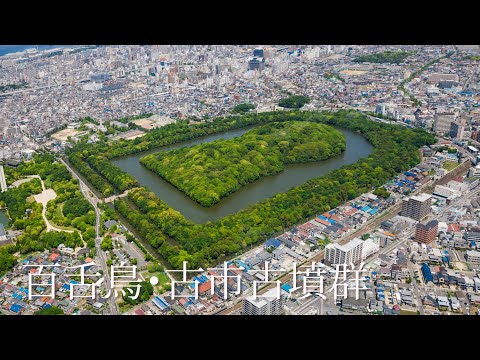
(272, 243)
(427, 274)
(16, 308)
(240, 263)
(200, 279)
(157, 300)
(286, 287)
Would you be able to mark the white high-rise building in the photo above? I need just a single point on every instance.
(267, 304)
(350, 253)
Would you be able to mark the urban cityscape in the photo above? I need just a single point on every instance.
(240, 180)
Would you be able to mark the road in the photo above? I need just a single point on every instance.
(100, 257)
(3, 182)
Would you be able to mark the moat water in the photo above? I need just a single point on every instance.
(357, 147)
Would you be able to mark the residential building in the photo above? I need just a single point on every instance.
(472, 236)
(445, 193)
(369, 247)
(442, 121)
(473, 256)
(256, 64)
(258, 52)
(416, 207)
(457, 130)
(435, 78)
(351, 252)
(266, 304)
(426, 233)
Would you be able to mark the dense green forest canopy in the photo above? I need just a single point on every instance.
(7, 259)
(392, 57)
(177, 239)
(243, 108)
(145, 292)
(294, 101)
(208, 172)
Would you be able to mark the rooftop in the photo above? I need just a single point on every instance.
(263, 299)
(422, 197)
(348, 246)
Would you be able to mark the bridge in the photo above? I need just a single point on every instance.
(111, 199)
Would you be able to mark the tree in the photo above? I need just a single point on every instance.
(211, 171)
(382, 192)
(243, 108)
(107, 244)
(50, 311)
(146, 290)
(393, 57)
(294, 101)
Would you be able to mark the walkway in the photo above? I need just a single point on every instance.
(3, 182)
(114, 197)
(21, 181)
(43, 198)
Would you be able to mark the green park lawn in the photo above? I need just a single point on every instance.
(449, 165)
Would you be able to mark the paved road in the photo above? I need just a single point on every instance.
(101, 258)
(3, 181)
